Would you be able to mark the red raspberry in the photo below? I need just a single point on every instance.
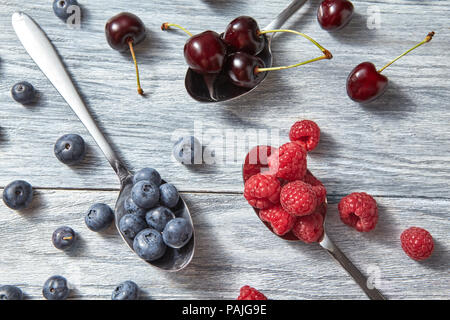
(309, 228)
(257, 160)
(288, 162)
(249, 293)
(359, 210)
(317, 186)
(281, 221)
(262, 191)
(417, 243)
(306, 133)
(298, 198)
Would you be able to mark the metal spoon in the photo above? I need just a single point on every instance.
(217, 87)
(337, 254)
(45, 56)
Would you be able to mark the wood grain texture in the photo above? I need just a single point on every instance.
(396, 148)
(231, 245)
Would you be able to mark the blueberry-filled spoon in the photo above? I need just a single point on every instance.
(45, 56)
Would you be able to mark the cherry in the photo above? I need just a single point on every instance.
(334, 14)
(122, 32)
(205, 52)
(243, 34)
(365, 83)
(243, 69)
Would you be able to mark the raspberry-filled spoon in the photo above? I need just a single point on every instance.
(45, 56)
(365, 83)
(304, 198)
(241, 57)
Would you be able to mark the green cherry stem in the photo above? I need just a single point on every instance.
(139, 89)
(166, 26)
(427, 39)
(326, 54)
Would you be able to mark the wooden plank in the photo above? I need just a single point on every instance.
(233, 249)
(387, 148)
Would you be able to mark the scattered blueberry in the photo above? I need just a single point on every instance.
(70, 149)
(18, 195)
(10, 293)
(188, 150)
(149, 245)
(147, 174)
(56, 288)
(63, 238)
(158, 217)
(62, 8)
(177, 233)
(127, 290)
(99, 217)
(145, 194)
(168, 195)
(132, 208)
(23, 92)
(130, 225)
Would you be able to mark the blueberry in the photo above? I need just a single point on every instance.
(23, 92)
(63, 238)
(127, 290)
(10, 293)
(61, 8)
(145, 194)
(99, 217)
(168, 195)
(18, 195)
(130, 225)
(147, 174)
(158, 217)
(56, 288)
(70, 149)
(188, 150)
(132, 208)
(149, 245)
(177, 233)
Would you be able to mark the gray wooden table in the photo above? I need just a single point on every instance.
(396, 149)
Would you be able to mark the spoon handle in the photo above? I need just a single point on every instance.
(360, 279)
(39, 47)
(285, 15)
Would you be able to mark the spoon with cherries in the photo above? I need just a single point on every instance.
(256, 162)
(45, 56)
(226, 66)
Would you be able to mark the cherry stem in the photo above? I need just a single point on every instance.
(326, 54)
(139, 89)
(427, 39)
(167, 25)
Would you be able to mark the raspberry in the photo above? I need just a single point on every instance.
(306, 133)
(298, 198)
(317, 186)
(309, 228)
(288, 162)
(249, 293)
(417, 243)
(281, 221)
(359, 210)
(262, 191)
(256, 160)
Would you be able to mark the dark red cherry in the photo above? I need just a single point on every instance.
(205, 52)
(334, 14)
(365, 83)
(242, 34)
(242, 68)
(123, 28)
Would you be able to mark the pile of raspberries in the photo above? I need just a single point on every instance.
(292, 201)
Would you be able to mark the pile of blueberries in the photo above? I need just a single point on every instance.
(149, 220)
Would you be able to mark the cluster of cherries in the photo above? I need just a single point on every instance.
(234, 52)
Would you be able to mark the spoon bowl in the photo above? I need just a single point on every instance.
(218, 87)
(40, 49)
